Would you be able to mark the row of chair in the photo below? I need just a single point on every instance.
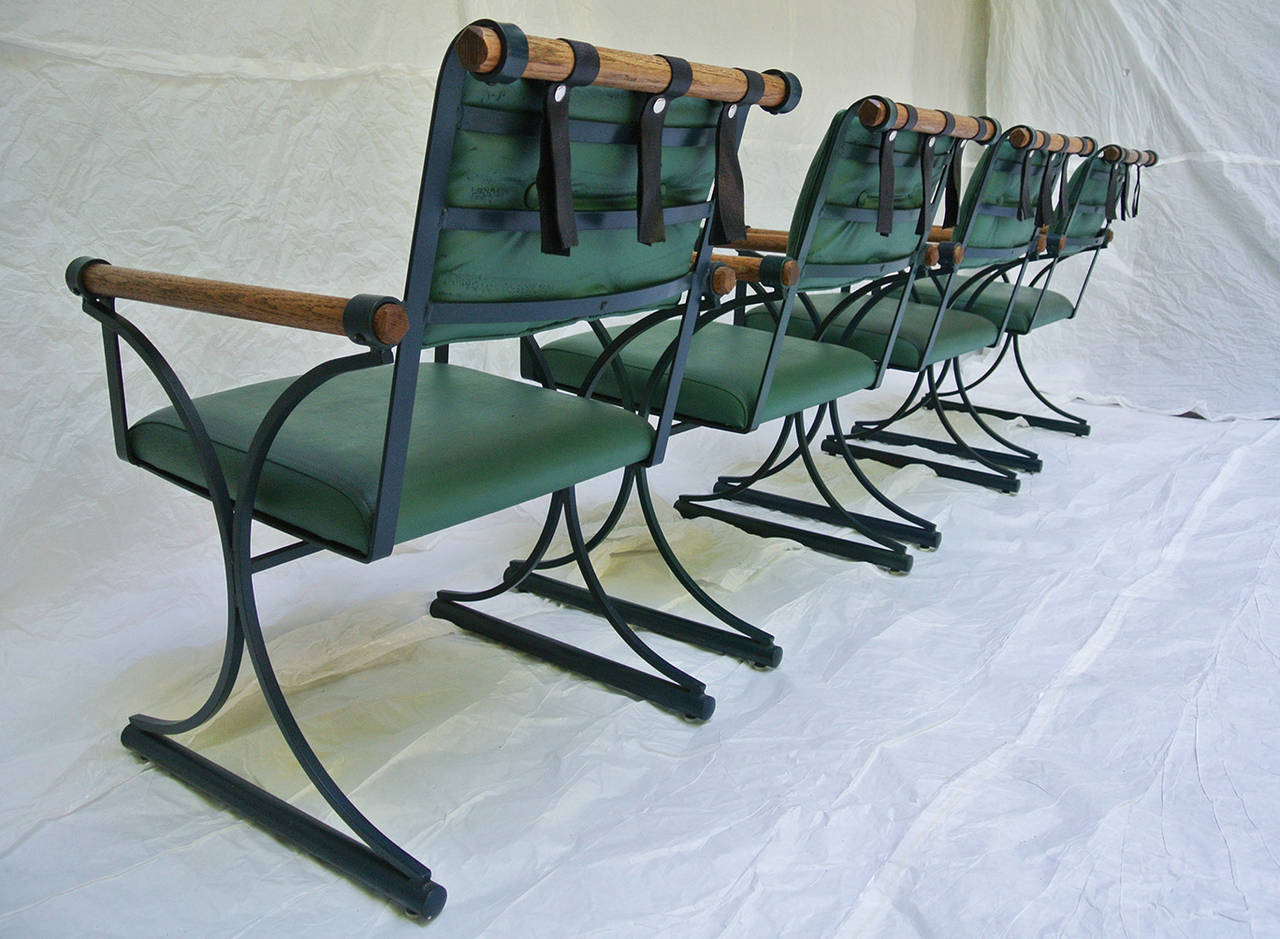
(568, 184)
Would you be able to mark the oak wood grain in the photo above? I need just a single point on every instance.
(480, 48)
(300, 310)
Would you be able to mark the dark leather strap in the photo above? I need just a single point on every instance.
(729, 222)
(1024, 186)
(1044, 204)
(1062, 188)
(1137, 188)
(884, 216)
(951, 209)
(554, 183)
(913, 115)
(514, 55)
(926, 179)
(649, 226)
(1113, 192)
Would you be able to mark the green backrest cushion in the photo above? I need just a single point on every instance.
(855, 182)
(1087, 193)
(1002, 188)
(498, 171)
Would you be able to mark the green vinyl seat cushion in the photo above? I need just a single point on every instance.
(723, 371)
(994, 299)
(960, 332)
(478, 443)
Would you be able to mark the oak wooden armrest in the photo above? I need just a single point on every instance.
(776, 272)
(355, 317)
(722, 278)
(951, 251)
(764, 239)
(942, 234)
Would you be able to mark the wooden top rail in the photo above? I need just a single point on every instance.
(1117, 154)
(748, 269)
(1023, 136)
(261, 304)
(873, 114)
(480, 50)
(764, 239)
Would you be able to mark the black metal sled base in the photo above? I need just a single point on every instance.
(763, 653)
(927, 538)
(1079, 426)
(690, 702)
(975, 477)
(419, 896)
(895, 562)
(1014, 461)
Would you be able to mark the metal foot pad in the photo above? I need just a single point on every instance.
(1079, 427)
(415, 893)
(690, 702)
(1015, 461)
(827, 544)
(997, 481)
(927, 538)
(761, 654)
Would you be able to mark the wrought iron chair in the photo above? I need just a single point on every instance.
(533, 157)
(881, 166)
(997, 228)
(1098, 192)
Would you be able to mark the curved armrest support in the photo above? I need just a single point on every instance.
(366, 319)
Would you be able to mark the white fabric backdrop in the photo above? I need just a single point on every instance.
(1182, 313)
(282, 145)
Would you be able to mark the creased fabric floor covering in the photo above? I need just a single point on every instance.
(1062, 722)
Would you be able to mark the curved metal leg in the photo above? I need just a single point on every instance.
(516, 573)
(606, 527)
(766, 469)
(232, 653)
(1026, 378)
(906, 409)
(1004, 348)
(843, 450)
(1073, 423)
(625, 632)
(977, 418)
(676, 689)
(686, 580)
(851, 521)
(959, 441)
(379, 863)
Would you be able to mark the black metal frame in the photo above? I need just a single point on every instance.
(372, 859)
(1069, 246)
(888, 537)
(998, 467)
